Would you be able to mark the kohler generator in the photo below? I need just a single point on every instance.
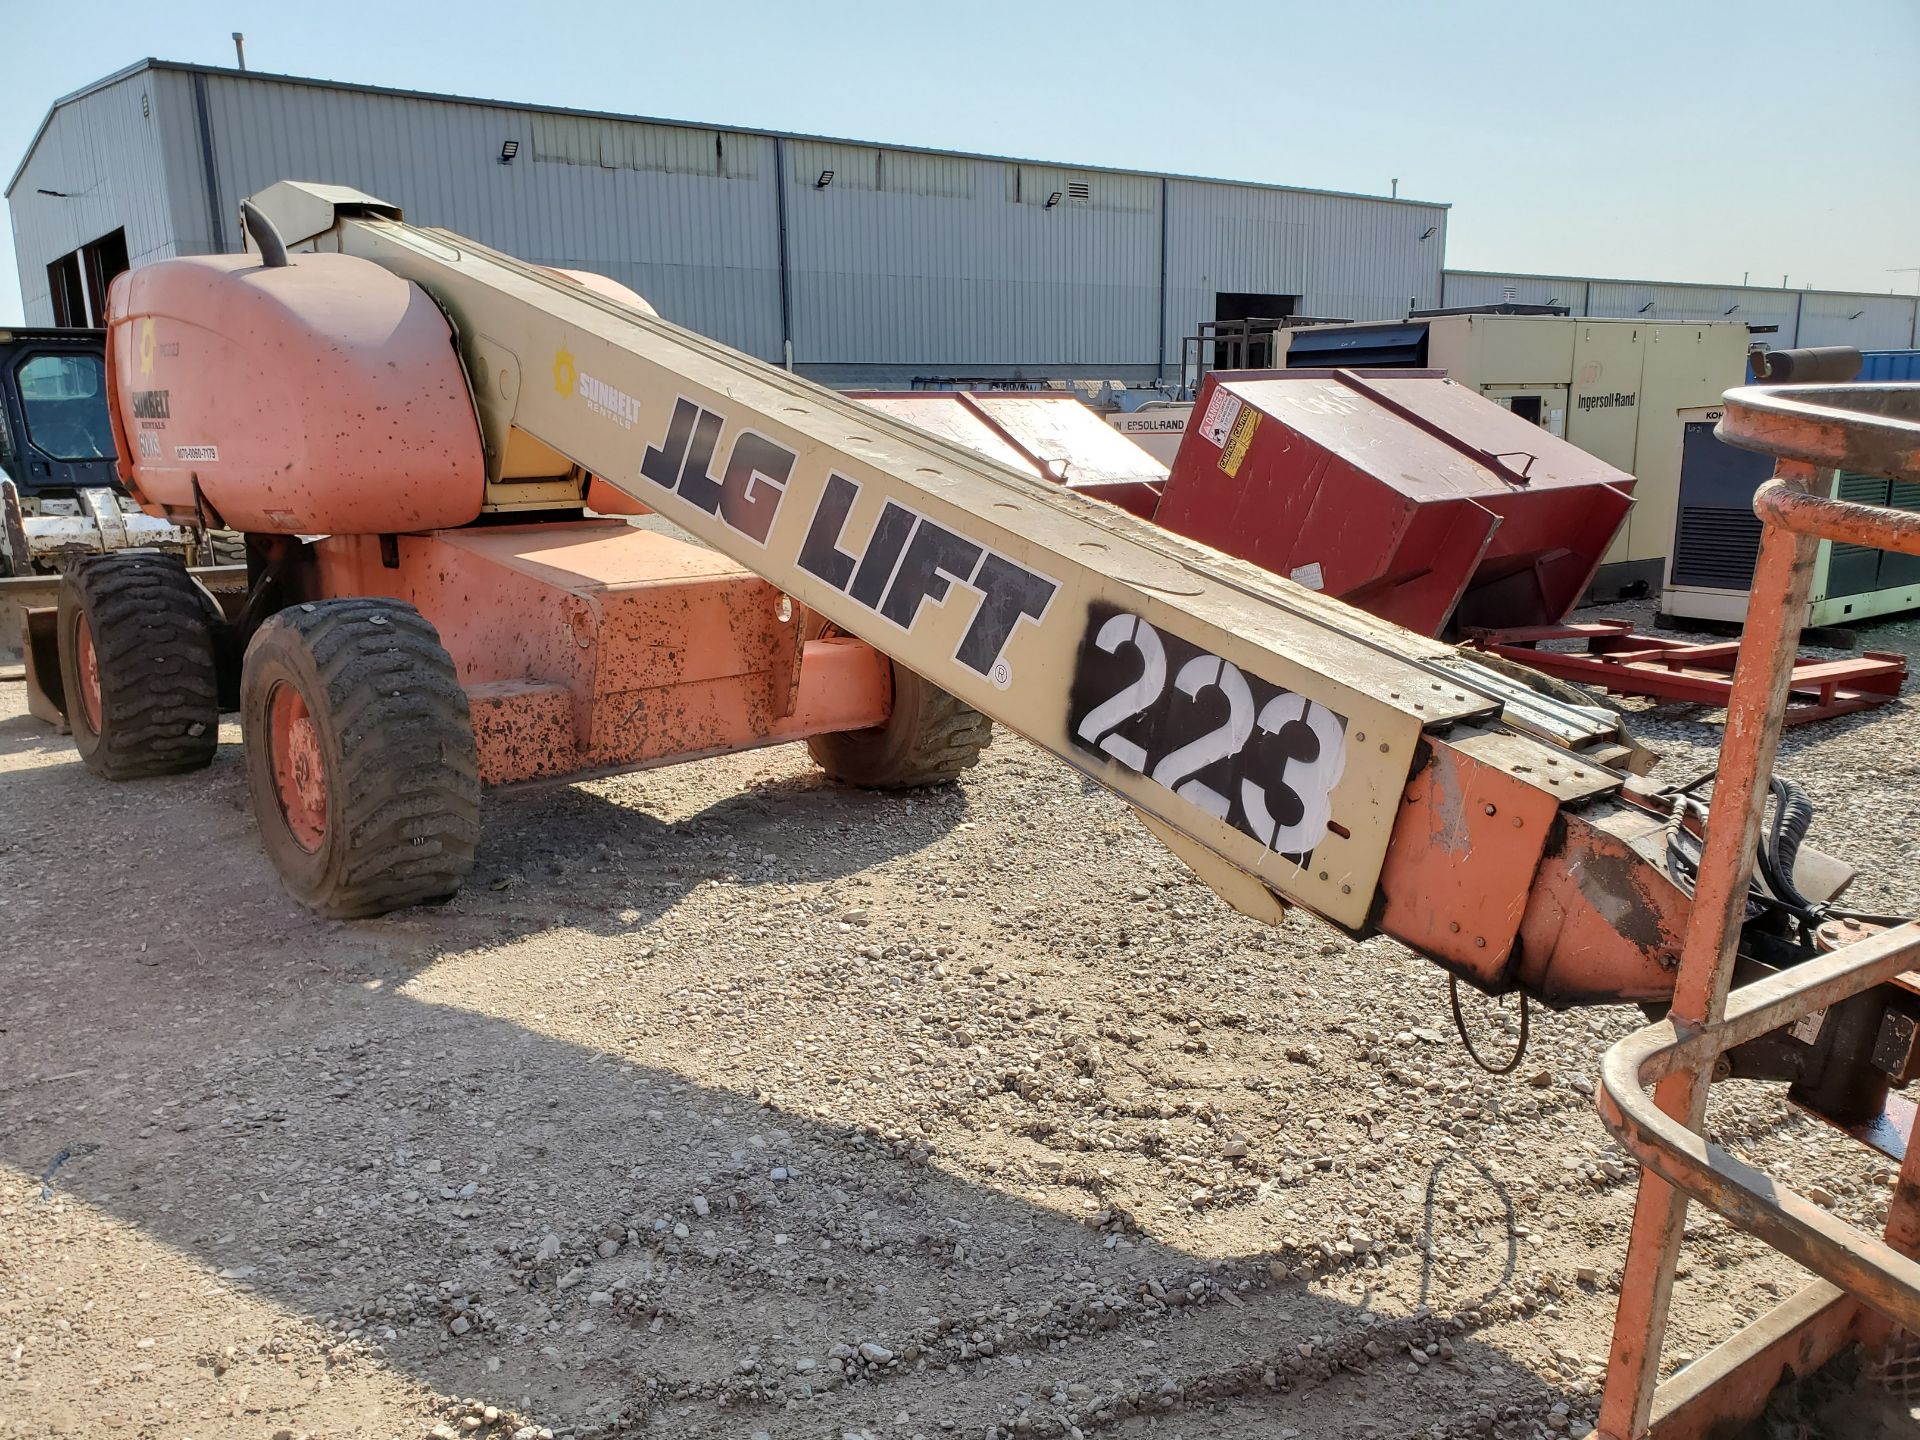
(1717, 539)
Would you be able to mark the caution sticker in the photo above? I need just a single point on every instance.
(1238, 439)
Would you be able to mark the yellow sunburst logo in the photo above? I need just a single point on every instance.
(146, 346)
(564, 374)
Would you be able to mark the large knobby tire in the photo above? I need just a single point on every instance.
(360, 757)
(137, 666)
(928, 739)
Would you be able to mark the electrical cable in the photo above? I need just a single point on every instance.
(1460, 1024)
(1789, 820)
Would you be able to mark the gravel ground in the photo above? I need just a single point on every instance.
(728, 1102)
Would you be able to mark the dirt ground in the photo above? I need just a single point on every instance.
(729, 1102)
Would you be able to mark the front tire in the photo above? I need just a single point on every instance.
(137, 666)
(360, 757)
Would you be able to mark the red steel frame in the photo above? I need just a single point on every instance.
(1869, 1284)
(1625, 663)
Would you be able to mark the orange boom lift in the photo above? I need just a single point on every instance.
(429, 444)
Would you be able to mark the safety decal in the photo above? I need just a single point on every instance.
(1238, 439)
(1222, 410)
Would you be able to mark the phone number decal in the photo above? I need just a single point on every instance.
(1263, 759)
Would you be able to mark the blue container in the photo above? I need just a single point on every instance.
(1890, 366)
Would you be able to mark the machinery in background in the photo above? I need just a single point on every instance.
(1156, 426)
(1614, 388)
(61, 498)
(1717, 543)
(1050, 434)
(1719, 540)
(1401, 492)
(1622, 661)
(1880, 367)
(59, 494)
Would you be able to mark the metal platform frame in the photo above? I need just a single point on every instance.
(1624, 662)
(1869, 1284)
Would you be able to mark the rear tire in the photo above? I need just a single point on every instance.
(360, 757)
(137, 666)
(929, 739)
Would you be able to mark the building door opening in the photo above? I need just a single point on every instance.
(1244, 323)
(100, 261)
(69, 296)
(79, 281)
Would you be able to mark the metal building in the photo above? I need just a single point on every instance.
(860, 264)
(1803, 317)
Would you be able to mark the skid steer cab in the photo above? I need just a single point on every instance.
(62, 499)
(60, 493)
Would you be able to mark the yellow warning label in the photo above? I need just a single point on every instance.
(1238, 439)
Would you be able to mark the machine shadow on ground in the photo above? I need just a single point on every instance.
(321, 1163)
(299, 1108)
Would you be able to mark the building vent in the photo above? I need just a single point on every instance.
(1506, 295)
(1078, 192)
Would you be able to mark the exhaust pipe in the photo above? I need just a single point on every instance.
(266, 239)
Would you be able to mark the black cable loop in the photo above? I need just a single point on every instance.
(1460, 1025)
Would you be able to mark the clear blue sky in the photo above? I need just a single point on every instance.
(1690, 140)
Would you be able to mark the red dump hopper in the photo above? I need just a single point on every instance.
(1052, 436)
(1398, 491)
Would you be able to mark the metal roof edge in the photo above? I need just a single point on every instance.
(533, 108)
(102, 83)
(1680, 284)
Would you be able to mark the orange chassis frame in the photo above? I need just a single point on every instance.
(649, 650)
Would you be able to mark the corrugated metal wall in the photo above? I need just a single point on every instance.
(907, 264)
(105, 156)
(1802, 317)
(1871, 322)
(947, 266)
(684, 216)
(1470, 287)
(1347, 258)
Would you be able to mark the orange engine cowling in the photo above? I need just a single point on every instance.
(323, 396)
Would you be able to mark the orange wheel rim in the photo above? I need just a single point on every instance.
(299, 771)
(89, 668)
